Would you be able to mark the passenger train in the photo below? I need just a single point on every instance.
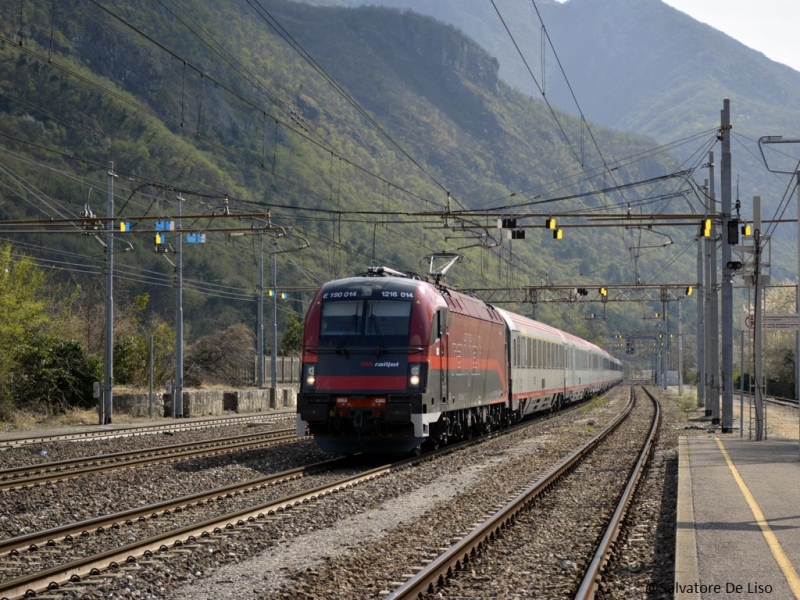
(392, 361)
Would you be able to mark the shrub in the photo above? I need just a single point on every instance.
(53, 375)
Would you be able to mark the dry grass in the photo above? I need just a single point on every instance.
(782, 421)
(24, 421)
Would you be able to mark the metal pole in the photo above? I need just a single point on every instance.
(797, 303)
(108, 383)
(701, 330)
(758, 399)
(727, 275)
(177, 398)
(151, 376)
(741, 390)
(273, 363)
(260, 316)
(680, 350)
(665, 346)
(712, 350)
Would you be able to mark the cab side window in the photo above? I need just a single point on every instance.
(439, 325)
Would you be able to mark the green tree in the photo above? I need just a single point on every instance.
(22, 315)
(292, 340)
(132, 347)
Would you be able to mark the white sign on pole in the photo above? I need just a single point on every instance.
(781, 321)
(787, 321)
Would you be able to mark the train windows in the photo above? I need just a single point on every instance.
(439, 325)
(387, 318)
(341, 318)
(514, 351)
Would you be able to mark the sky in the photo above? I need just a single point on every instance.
(769, 26)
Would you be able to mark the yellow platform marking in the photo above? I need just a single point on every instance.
(772, 541)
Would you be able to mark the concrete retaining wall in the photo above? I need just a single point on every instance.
(138, 405)
(200, 403)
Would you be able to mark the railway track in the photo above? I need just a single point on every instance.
(47, 473)
(507, 541)
(59, 541)
(770, 399)
(50, 578)
(245, 505)
(104, 432)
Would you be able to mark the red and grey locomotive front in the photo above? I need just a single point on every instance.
(365, 364)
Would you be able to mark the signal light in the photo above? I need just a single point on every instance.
(558, 234)
(733, 232)
(508, 223)
(746, 229)
(550, 224)
(517, 234)
(706, 228)
(734, 265)
(603, 292)
(582, 292)
(689, 290)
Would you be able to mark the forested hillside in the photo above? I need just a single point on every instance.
(644, 67)
(365, 133)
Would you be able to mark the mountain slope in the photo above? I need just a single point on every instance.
(644, 67)
(232, 108)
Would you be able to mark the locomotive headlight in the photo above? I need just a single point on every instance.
(414, 379)
(310, 379)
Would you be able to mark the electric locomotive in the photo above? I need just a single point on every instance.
(391, 361)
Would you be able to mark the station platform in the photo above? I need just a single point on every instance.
(738, 521)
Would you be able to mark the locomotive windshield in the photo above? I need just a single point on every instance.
(358, 323)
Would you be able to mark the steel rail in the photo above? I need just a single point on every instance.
(592, 577)
(109, 433)
(31, 541)
(33, 475)
(54, 577)
(788, 402)
(446, 564)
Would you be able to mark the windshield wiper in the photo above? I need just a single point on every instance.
(382, 347)
(340, 349)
